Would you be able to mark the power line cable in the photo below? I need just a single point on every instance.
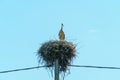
(100, 67)
(84, 66)
(21, 69)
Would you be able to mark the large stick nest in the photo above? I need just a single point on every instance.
(62, 50)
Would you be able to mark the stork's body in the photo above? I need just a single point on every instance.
(61, 33)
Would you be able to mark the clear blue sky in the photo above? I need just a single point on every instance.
(94, 25)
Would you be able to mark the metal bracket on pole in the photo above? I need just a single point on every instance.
(56, 74)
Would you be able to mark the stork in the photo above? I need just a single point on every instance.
(61, 33)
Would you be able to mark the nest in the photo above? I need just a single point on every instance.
(62, 50)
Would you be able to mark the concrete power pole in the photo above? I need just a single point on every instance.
(56, 73)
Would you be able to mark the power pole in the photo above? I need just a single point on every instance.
(56, 73)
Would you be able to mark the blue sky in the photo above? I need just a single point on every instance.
(91, 24)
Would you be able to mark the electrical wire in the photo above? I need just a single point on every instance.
(100, 67)
(84, 66)
(21, 69)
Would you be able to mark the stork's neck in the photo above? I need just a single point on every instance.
(62, 26)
